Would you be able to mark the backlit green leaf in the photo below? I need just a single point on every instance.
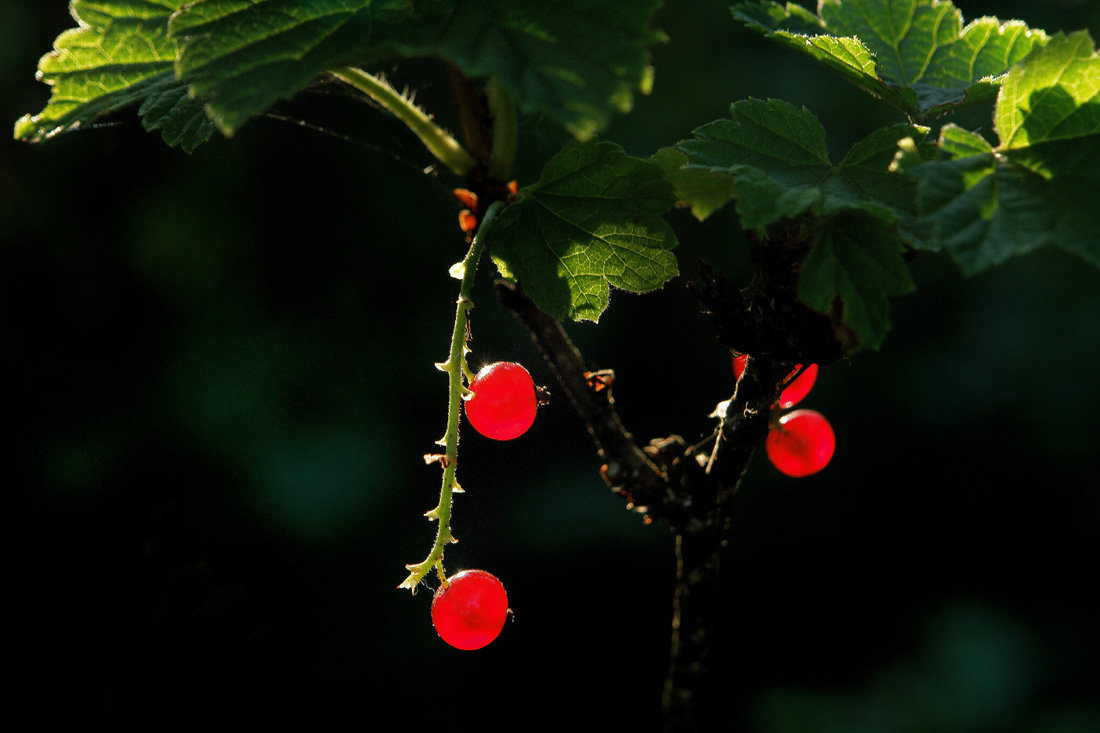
(774, 160)
(1053, 97)
(914, 54)
(592, 222)
(120, 56)
(577, 61)
(1038, 187)
(242, 56)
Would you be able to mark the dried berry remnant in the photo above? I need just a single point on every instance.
(504, 401)
(469, 610)
(467, 198)
(467, 221)
(801, 443)
(600, 380)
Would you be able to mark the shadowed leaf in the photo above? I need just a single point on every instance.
(592, 222)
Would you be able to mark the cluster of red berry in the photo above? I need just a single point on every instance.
(800, 442)
(469, 609)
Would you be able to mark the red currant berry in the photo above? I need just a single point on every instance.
(799, 388)
(795, 391)
(470, 610)
(739, 363)
(503, 403)
(801, 444)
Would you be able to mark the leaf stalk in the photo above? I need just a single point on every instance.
(439, 142)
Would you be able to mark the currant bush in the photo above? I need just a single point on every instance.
(503, 402)
(801, 443)
(469, 610)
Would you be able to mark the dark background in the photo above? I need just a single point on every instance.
(220, 386)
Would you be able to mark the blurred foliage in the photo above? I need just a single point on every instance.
(214, 472)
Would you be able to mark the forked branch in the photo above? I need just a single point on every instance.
(691, 487)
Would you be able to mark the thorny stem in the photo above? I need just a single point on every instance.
(442, 145)
(456, 369)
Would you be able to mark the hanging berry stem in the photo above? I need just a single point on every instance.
(457, 371)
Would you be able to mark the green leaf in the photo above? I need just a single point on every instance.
(914, 54)
(1054, 97)
(120, 56)
(592, 222)
(853, 269)
(773, 159)
(1039, 186)
(700, 189)
(242, 56)
(169, 107)
(576, 61)
(773, 152)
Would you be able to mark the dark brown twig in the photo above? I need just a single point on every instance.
(477, 129)
(627, 468)
(690, 487)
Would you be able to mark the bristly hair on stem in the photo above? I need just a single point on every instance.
(456, 369)
(439, 142)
